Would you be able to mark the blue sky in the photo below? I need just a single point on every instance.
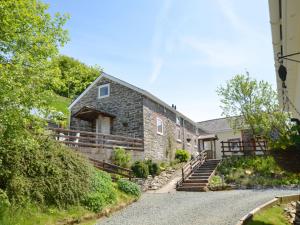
(180, 51)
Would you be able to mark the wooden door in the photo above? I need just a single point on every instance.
(103, 125)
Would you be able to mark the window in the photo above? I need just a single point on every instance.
(104, 91)
(195, 143)
(159, 126)
(234, 144)
(178, 120)
(178, 134)
(207, 145)
(189, 140)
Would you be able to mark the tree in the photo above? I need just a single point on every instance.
(252, 104)
(73, 76)
(29, 38)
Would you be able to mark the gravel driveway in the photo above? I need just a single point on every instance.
(191, 208)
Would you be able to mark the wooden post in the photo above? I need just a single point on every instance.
(182, 174)
(223, 153)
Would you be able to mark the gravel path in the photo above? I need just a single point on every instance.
(191, 208)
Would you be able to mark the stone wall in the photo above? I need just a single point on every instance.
(124, 103)
(163, 146)
(106, 154)
(140, 114)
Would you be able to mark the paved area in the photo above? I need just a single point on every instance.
(191, 208)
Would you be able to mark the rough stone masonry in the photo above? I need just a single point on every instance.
(297, 216)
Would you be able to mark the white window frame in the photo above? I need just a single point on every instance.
(178, 122)
(178, 130)
(195, 143)
(102, 86)
(162, 126)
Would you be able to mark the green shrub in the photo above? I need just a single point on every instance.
(129, 187)
(102, 192)
(140, 169)
(121, 157)
(38, 169)
(153, 167)
(216, 181)
(256, 170)
(163, 166)
(4, 203)
(182, 155)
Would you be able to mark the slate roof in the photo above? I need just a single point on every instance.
(214, 126)
(141, 91)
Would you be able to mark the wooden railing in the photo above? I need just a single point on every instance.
(77, 138)
(242, 148)
(111, 168)
(188, 168)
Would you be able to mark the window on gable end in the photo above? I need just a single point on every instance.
(103, 91)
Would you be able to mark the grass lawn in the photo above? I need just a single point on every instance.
(36, 215)
(271, 216)
(60, 103)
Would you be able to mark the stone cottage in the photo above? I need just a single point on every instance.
(112, 106)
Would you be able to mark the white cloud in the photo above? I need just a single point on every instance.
(227, 9)
(238, 51)
(217, 53)
(157, 65)
(158, 40)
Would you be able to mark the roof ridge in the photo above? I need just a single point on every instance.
(131, 86)
(221, 118)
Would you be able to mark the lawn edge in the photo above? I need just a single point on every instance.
(104, 213)
(277, 200)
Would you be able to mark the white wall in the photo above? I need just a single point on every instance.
(224, 136)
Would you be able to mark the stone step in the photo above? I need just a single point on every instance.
(204, 170)
(198, 180)
(198, 177)
(200, 174)
(194, 184)
(203, 181)
(208, 166)
(198, 189)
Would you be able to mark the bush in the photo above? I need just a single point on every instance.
(182, 155)
(153, 168)
(256, 170)
(216, 181)
(38, 169)
(121, 157)
(102, 192)
(129, 187)
(4, 203)
(140, 169)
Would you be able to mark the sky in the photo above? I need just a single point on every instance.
(180, 51)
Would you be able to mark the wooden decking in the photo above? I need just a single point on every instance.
(77, 138)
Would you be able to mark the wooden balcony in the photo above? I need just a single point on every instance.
(83, 139)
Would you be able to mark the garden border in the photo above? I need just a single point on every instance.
(277, 200)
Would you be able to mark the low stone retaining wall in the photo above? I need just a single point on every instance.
(155, 183)
(277, 200)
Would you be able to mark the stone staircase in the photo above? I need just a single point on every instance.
(199, 177)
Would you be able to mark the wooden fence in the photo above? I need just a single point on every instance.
(111, 168)
(242, 148)
(188, 168)
(77, 138)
